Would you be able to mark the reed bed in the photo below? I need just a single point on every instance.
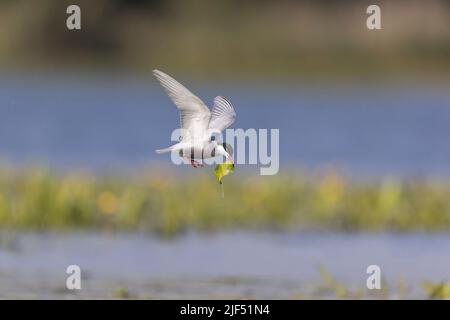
(166, 203)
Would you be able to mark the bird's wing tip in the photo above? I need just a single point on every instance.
(157, 73)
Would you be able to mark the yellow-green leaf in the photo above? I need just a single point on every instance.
(222, 169)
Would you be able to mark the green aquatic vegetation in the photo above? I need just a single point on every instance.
(334, 286)
(167, 203)
(223, 169)
(122, 293)
(440, 290)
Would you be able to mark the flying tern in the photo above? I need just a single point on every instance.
(198, 123)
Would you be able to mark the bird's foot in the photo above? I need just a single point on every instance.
(196, 164)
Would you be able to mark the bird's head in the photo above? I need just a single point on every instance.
(224, 149)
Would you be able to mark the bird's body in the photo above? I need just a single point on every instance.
(204, 151)
(198, 123)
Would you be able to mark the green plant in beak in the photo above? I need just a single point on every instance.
(222, 169)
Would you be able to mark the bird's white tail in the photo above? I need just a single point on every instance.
(170, 149)
(159, 151)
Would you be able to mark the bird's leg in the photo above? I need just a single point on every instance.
(196, 164)
(192, 162)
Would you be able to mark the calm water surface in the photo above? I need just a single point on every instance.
(118, 123)
(223, 265)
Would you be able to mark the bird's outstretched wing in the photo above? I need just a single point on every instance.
(222, 114)
(194, 114)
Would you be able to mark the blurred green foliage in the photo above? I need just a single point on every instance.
(440, 290)
(162, 202)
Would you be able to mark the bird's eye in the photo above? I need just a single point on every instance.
(213, 138)
(180, 138)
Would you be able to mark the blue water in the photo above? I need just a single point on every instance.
(224, 265)
(118, 122)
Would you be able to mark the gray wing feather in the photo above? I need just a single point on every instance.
(194, 114)
(222, 114)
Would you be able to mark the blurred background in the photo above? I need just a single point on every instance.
(364, 175)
